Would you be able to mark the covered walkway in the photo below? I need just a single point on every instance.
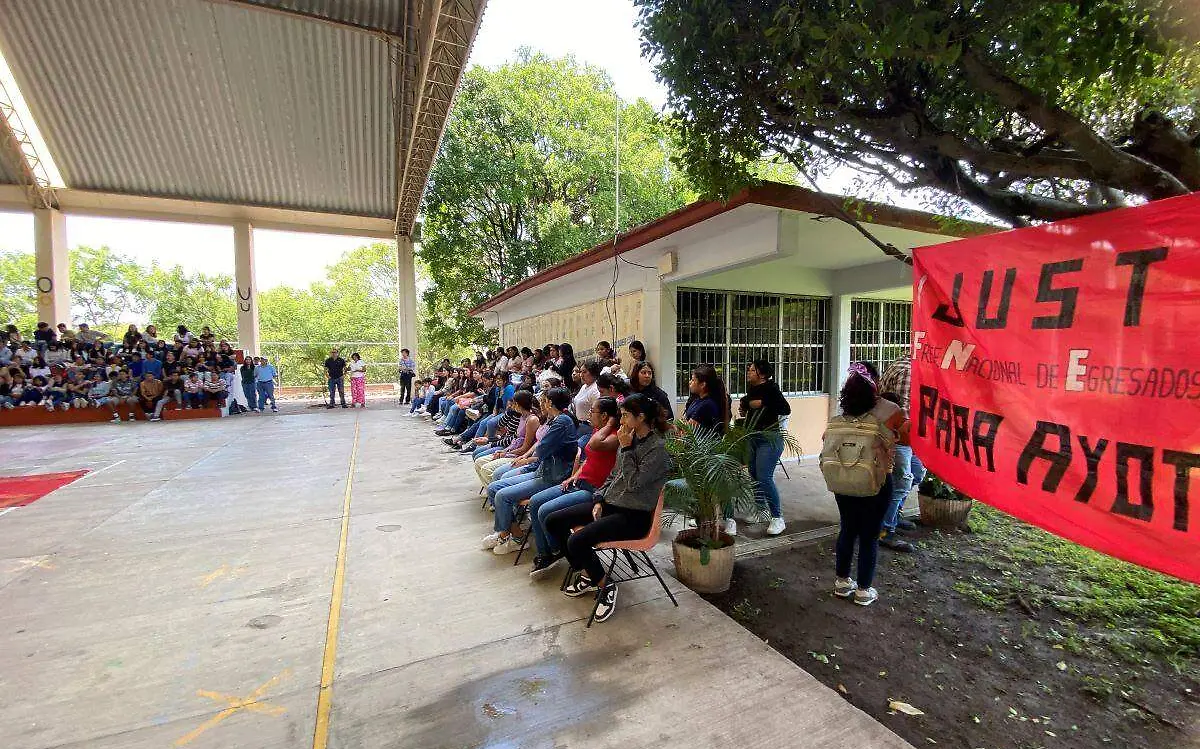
(179, 595)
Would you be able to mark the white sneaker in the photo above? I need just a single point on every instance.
(607, 604)
(866, 597)
(116, 419)
(776, 527)
(690, 523)
(131, 417)
(508, 546)
(731, 526)
(844, 587)
(489, 541)
(155, 418)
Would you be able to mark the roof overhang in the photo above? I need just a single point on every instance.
(771, 194)
(116, 205)
(316, 106)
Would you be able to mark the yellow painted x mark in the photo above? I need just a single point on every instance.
(251, 703)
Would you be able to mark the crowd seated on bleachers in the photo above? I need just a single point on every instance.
(60, 369)
(575, 447)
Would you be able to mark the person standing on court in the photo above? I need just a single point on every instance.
(264, 376)
(335, 373)
(408, 370)
(249, 388)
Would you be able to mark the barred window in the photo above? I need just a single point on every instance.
(880, 331)
(729, 330)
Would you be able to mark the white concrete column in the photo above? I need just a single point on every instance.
(406, 306)
(658, 330)
(839, 345)
(53, 267)
(247, 287)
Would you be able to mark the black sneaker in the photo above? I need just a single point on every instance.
(607, 604)
(580, 586)
(329, 405)
(344, 406)
(904, 524)
(895, 543)
(543, 563)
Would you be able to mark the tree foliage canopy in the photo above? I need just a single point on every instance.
(1028, 109)
(526, 178)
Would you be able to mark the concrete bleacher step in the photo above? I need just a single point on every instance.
(35, 416)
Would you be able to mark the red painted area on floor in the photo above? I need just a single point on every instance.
(18, 491)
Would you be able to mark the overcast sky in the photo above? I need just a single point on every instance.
(600, 32)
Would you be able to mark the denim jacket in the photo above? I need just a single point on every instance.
(556, 450)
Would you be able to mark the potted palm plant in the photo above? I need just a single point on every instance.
(942, 506)
(713, 480)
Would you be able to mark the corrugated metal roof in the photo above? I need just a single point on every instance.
(208, 101)
(385, 15)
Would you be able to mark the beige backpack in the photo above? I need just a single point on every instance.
(856, 455)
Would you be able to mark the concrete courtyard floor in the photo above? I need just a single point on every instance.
(180, 595)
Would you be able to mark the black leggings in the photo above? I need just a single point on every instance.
(616, 524)
(862, 519)
(406, 388)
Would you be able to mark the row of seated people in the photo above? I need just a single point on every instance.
(63, 369)
(585, 461)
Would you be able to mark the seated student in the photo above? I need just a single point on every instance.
(641, 380)
(6, 389)
(39, 368)
(173, 390)
(182, 335)
(77, 388)
(595, 462)
(150, 393)
(25, 355)
(100, 391)
(418, 398)
(524, 437)
(215, 389)
(622, 509)
(136, 366)
(44, 336)
(456, 418)
(611, 386)
(553, 454)
(56, 354)
(150, 336)
(491, 413)
(193, 391)
(33, 393)
(505, 433)
(55, 394)
(64, 333)
(123, 394)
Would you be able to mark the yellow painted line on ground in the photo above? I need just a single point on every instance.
(325, 696)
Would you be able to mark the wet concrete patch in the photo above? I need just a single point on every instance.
(264, 622)
(388, 528)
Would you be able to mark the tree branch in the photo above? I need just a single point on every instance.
(1109, 164)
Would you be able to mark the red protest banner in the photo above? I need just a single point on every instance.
(1056, 376)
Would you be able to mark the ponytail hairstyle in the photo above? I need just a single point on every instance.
(524, 399)
(609, 407)
(641, 405)
(707, 375)
(608, 381)
(560, 398)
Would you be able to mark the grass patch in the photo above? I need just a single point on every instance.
(1129, 610)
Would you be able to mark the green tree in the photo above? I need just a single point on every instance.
(1027, 109)
(17, 299)
(526, 177)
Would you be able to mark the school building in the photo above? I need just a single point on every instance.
(769, 274)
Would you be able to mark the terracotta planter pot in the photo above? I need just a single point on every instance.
(943, 513)
(713, 577)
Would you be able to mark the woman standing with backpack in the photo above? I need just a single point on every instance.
(856, 458)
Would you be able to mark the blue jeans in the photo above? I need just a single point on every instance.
(266, 391)
(485, 450)
(764, 456)
(454, 418)
(907, 472)
(251, 394)
(547, 501)
(861, 519)
(418, 402)
(508, 497)
(506, 477)
(339, 384)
